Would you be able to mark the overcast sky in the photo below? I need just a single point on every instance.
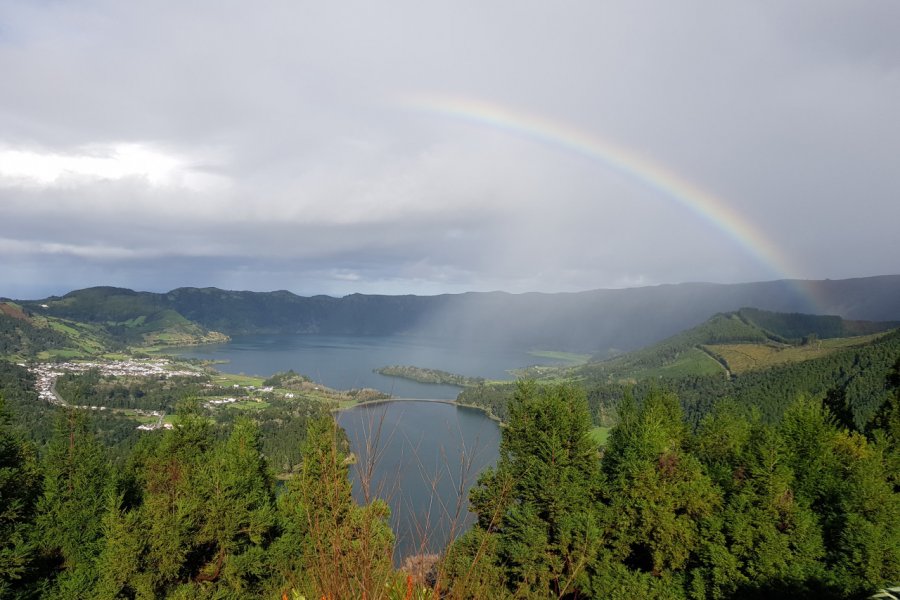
(422, 147)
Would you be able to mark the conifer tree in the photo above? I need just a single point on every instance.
(330, 546)
(658, 499)
(538, 503)
(153, 546)
(19, 489)
(238, 514)
(70, 511)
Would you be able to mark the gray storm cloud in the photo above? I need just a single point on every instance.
(272, 146)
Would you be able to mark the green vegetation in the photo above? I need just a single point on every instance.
(741, 336)
(20, 336)
(797, 327)
(572, 358)
(423, 375)
(739, 509)
(734, 508)
(599, 435)
(673, 472)
(740, 358)
(288, 380)
(93, 324)
(583, 322)
(697, 365)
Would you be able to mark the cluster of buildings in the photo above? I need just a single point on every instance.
(47, 373)
(158, 424)
(219, 402)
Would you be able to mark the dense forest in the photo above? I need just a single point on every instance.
(736, 505)
(739, 508)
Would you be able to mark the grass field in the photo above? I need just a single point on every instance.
(232, 379)
(600, 435)
(690, 362)
(750, 357)
(568, 357)
(249, 405)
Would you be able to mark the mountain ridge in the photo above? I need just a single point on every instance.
(594, 320)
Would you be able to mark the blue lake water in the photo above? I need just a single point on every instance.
(426, 457)
(426, 454)
(345, 362)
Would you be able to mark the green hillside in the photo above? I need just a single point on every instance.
(740, 358)
(93, 322)
(711, 347)
(594, 322)
(796, 326)
(730, 356)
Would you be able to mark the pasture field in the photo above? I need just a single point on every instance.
(753, 357)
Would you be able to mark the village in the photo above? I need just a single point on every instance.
(47, 373)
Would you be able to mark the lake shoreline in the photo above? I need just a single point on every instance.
(481, 409)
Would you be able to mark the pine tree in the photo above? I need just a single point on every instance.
(658, 500)
(19, 488)
(538, 503)
(330, 546)
(70, 511)
(239, 512)
(153, 546)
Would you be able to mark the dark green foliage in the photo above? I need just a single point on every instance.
(796, 326)
(27, 414)
(721, 328)
(195, 520)
(887, 418)
(586, 321)
(657, 500)
(739, 508)
(853, 378)
(771, 494)
(538, 502)
(70, 510)
(330, 547)
(423, 375)
(493, 399)
(286, 379)
(19, 488)
(148, 393)
(19, 337)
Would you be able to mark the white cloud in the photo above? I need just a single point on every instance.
(100, 162)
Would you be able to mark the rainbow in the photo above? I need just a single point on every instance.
(631, 165)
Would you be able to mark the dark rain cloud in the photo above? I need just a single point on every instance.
(281, 146)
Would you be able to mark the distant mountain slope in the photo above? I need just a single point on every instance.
(796, 326)
(20, 336)
(92, 321)
(851, 370)
(594, 321)
(707, 348)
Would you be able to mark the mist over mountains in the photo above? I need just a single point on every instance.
(593, 321)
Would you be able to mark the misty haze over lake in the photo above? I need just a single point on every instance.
(346, 362)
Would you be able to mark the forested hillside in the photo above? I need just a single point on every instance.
(594, 321)
(80, 326)
(20, 337)
(850, 372)
(733, 508)
(774, 480)
(807, 508)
